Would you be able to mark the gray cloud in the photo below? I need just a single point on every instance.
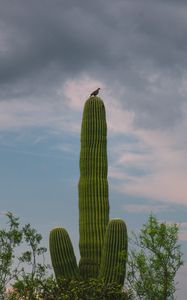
(140, 45)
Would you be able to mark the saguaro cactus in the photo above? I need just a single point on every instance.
(102, 243)
(93, 187)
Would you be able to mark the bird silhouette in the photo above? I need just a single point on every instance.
(95, 93)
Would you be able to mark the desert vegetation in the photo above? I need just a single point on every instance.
(108, 267)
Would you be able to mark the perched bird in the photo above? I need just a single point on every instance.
(95, 93)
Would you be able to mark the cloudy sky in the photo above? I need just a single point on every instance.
(52, 55)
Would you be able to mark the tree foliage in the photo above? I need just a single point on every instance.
(18, 267)
(154, 261)
(10, 239)
(27, 274)
(66, 289)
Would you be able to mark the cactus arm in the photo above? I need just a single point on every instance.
(114, 255)
(62, 254)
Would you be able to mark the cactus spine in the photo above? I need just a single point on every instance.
(93, 187)
(103, 244)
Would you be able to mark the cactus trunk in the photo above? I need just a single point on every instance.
(102, 244)
(93, 187)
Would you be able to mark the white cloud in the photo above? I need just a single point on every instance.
(65, 147)
(77, 91)
(119, 121)
(161, 160)
(181, 279)
(159, 156)
(183, 231)
(166, 179)
(164, 186)
(3, 213)
(116, 173)
(17, 114)
(144, 208)
(155, 152)
(74, 90)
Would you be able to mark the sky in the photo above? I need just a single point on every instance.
(53, 54)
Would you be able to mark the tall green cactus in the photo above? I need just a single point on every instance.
(101, 246)
(93, 187)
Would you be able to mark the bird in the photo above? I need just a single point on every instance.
(95, 93)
